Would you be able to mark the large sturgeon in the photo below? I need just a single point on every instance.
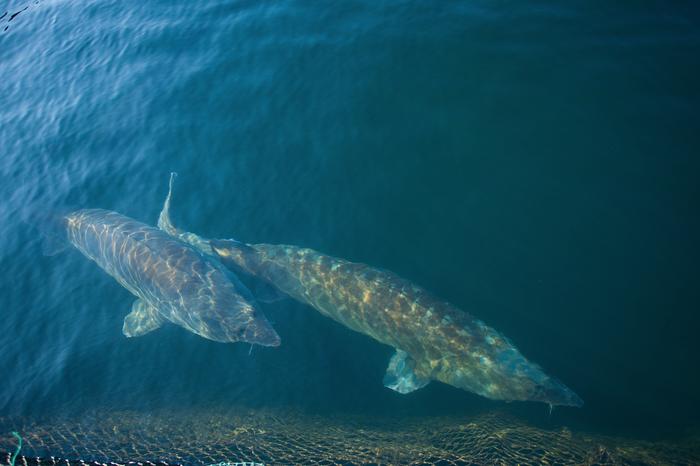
(433, 339)
(172, 280)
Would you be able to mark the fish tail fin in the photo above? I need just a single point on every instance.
(51, 227)
(164, 221)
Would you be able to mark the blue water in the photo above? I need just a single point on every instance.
(534, 163)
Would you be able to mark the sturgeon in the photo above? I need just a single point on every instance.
(434, 340)
(172, 280)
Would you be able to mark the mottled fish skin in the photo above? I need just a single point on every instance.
(184, 286)
(446, 343)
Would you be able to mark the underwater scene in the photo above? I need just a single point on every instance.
(349, 232)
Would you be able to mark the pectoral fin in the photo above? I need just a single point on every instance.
(400, 375)
(141, 320)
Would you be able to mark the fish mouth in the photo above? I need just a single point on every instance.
(260, 332)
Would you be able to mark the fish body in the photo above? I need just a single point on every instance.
(172, 280)
(433, 339)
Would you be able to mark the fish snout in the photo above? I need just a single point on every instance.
(260, 332)
(556, 393)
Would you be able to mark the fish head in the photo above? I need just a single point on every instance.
(242, 322)
(260, 332)
(497, 370)
(527, 381)
(555, 393)
(212, 302)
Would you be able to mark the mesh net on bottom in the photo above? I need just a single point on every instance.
(291, 438)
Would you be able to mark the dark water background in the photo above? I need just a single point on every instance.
(535, 163)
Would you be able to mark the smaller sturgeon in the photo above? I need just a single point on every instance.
(171, 279)
(433, 339)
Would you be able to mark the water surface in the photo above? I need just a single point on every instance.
(533, 163)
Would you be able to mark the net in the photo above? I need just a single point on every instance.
(272, 438)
